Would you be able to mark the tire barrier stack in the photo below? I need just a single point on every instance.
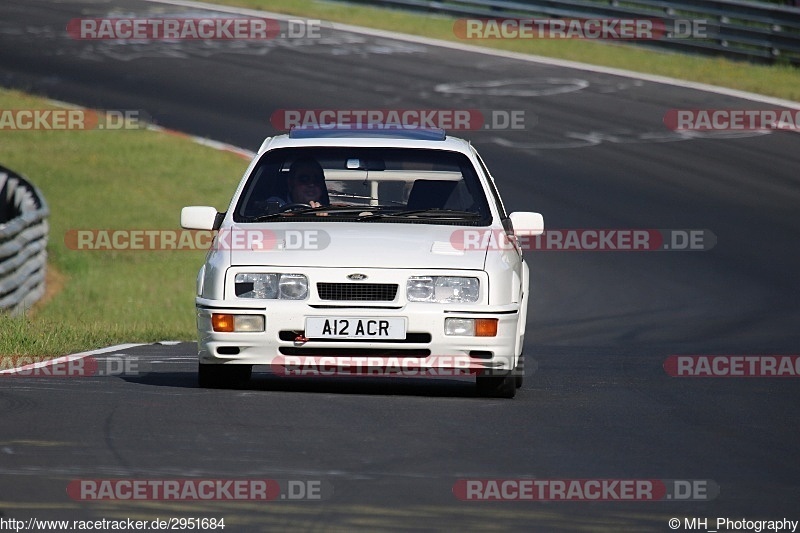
(23, 242)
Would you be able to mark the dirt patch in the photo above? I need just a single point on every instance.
(54, 282)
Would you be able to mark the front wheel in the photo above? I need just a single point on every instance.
(502, 386)
(519, 372)
(223, 376)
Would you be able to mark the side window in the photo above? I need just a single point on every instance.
(492, 187)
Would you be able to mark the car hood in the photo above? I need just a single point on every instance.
(364, 244)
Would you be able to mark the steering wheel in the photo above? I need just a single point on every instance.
(294, 205)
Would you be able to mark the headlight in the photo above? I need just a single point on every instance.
(271, 286)
(443, 289)
(419, 289)
(293, 286)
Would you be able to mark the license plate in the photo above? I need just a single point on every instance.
(355, 328)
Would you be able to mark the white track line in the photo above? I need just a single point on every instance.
(68, 358)
(497, 53)
(204, 141)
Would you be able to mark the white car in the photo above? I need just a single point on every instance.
(405, 258)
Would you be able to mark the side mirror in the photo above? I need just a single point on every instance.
(526, 223)
(198, 217)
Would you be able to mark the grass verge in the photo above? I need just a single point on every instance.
(782, 81)
(125, 179)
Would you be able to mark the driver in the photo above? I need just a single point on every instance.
(305, 184)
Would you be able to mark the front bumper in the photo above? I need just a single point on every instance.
(425, 338)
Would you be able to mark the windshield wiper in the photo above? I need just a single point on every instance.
(431, 212)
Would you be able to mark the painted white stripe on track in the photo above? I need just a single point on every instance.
(497, 53)
(68, 358)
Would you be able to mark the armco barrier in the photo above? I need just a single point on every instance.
(23, 242)
(758, 32)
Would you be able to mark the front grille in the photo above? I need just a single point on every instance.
(372, 292)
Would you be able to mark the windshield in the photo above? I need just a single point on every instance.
(363, 185)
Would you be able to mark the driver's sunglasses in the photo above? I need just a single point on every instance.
(307, 179)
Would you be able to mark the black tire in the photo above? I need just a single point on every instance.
(223, 376)
(496, 386)
(519, 372)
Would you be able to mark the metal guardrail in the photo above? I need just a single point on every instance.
(23, 242)
(758, 32)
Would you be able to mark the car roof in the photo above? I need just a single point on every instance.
(430, 139)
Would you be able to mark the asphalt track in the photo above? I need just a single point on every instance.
(599, 405)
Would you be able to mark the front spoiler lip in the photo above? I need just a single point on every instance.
(397, 367)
